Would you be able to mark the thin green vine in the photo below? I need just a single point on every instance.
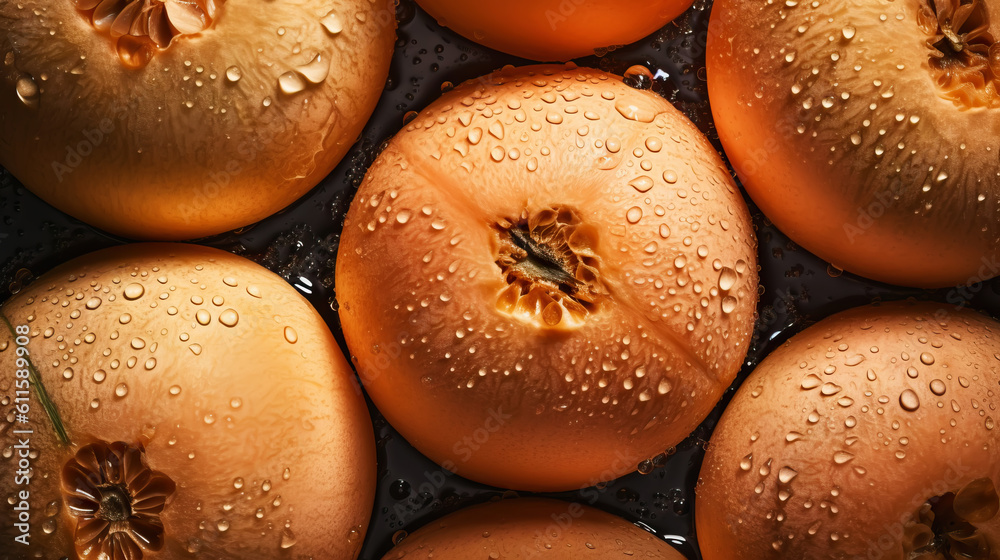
(43, 395)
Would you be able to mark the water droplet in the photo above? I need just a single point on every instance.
(830, 389)
(316, 70)
(27, 91)
(332, 23)
(727, 278)
(290, 335)
(134, 291)
(938, 387)
(134, 52)
(229, 317)
(842, 457)
(403, 216)
(287, 538)
(926, 358)
(746, 463)
(203, 317)
(175, 390)
(642, 184)
(664, 387)
(811, 381)
(121, 390)
(93, 303)
(99, 376)
(909, 400)
(290, 83)
(638, 77)
(233, 74)
(786, 474)
(633, 112)
(398, 537)
(849, 32)
(238, 483)
(634, 214)
(223, 525)
(728, 304)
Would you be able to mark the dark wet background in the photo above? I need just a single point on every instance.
(300, 244)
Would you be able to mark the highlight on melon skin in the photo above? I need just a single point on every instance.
(183, 402)
(178, 120)
(547, 278)
(524, 528)
(871, 434)
(867, 131)
(554, 30)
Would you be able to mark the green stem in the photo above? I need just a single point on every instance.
(43, 395)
